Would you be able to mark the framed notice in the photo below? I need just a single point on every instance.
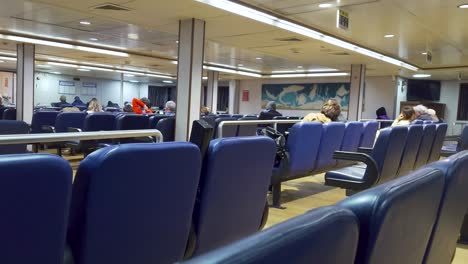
(67, 87)
(342, 19)
(245, 95)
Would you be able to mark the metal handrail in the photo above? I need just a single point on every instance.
(70, 136)
(377, 120)
(254, 122)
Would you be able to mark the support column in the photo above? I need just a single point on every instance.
(189, 74)
(234, 86)
(122, 90)
(357, 91)
(212, 91)
(25, 82)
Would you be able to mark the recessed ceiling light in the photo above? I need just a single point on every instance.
(133, 81)
(389, 36)
(86, 23)
(129, 75)
(93, 39)
(83, 70)
(463, 6)
(240, 65)
(43, 66)
(176, 41)
(300, 67)
(132, 36)
(258, 58)
(56, 72)
(167, 81)
(421, 75)
(325, 5)
(1, 61)
(424, 53)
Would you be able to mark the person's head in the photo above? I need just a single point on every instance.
(381, 111)
(331, 109)
(94, 105)
(170, 107)
(408, 113)
(420, 109)
(431, 112)
(204, 110)
(146, 101)
(63, 99)
(128, 108)
(77, 98)
(271, 106)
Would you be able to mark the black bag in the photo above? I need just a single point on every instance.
(280, 141)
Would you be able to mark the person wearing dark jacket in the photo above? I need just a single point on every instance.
(77, 101)
(269, 112)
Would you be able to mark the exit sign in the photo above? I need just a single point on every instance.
(342, 19)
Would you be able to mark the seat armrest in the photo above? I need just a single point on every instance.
(367, 151)
(74, 129)
(48, 129)
(372, 170)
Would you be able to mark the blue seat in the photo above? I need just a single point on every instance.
(282, 128)
(410, 152)
(417, 122)
(424, 151)
(369, 131)
(153, 120)
(67, 120)
(382, 163)
(441, 130)
(228, 131)
(302, 147)
(452, 209)
(326, 235)
(232, 201)
(351, 140)
(332, 137)
(396, 218)
(167, 128)
(237, 116)
(11, 127)
(9, 114)
(211, 120)
(247, 130)
(43, 118)
(428, 122)
(134, 214)
(224, 115)
(2, 110)
(132, 122)
(35, 192)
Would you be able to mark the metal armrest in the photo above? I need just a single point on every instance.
(367, 151)
(74, 129)
(48, 129)
(372, 171)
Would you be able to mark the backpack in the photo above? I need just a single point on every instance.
(280, 141)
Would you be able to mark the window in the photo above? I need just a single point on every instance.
(463, 102)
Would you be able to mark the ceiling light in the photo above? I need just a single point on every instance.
(159, 76)
(463, 6)
(177, 41)
(7, 58)
(258, 58)
(205, 78)
(63, 64)
(83, 70)
(167, 81)
(132, 36)
(389, 36)
(174, 62)
(326, 5)
(325, 74)
(86, 23)
(300, 67)
(93, 39)
(96, 68)
(231, 71)
(56, 72)
(102, 51)
(240, 65)
(424, 53)
(8, 53)
(133, 81)
(43, 66)
(129, 75)
(421, 75)
(296, 28)
(2, 61)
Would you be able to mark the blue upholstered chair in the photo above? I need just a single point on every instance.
(35, 192)
(326, 235)
(417, 122)
(452, 209)
(424, 151)
(369, 131)
(43, 118)
(282, 128)
(167, 128)
(410, 152)
(2, 110)
(9, 114)
(11, 127)
(332, 137)
(237, 116)
(382, 162)
(351, 140)
(133, 203)
(67, 120)
(153, 120)
(247, 130)
(228, 131)
(232, 199)
(132, 122)
(441, 130)
(396, 218)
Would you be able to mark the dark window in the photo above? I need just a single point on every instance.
(223, 98)
(463, 102)
(160, 95)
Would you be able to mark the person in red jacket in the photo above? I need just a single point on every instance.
(140, 106)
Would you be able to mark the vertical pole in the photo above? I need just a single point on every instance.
(356, 98)
(234, 96)
(212, 91)
(25, 82)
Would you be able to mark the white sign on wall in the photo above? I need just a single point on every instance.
(67, 87)
(342, 19)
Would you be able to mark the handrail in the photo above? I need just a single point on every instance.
(69, 136)
(377, 120)
(254, 122)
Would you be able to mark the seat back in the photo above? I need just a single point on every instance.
(132, 122)
(223, 214)
(388, 150)
(210, 120)
(247, 130)
(410, 152)
(228, 131)
(441, 130)
(369, 131)
(417, 122)
(351, 139)
(9, 114)
(464, 139)
(43, 118)
(396, 218)
(35, 192)
(153, 120)
(452, 209)
(99, 122)
(237, 116)
(224, 115)
(167, 128)
(324, 235)
(302, 146)
(282, 128)
(426, 144)
(428, 122)
(2, 110)
(332, 137)
(69, 119)
(138, 213)
(11, 127)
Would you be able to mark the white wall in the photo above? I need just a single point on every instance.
(47, 89)
(380, 91)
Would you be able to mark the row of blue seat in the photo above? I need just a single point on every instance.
(133, 203)
(412, 219)
(397, 151)
(310, 147)
(7, 113)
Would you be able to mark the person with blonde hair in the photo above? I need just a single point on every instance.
(330, 112)
(433, 115)
(94, 106)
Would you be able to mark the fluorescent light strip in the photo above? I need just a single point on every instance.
(63, 64)
(96, 68)
(7, 58)
(232, 71)
(280, 23)
(63, 45)
(159, 76)
(306, 71)
(325, 74)
(101, 45)
(230, 66)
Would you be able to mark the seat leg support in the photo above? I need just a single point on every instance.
(276, 192)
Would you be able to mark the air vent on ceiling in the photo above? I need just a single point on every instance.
(289, 39)
(111, 7)
(340, 54)
(94, 57)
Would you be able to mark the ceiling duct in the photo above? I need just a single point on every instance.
(111, 7)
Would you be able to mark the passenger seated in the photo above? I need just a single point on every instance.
(382, 114)
(421, 113)
(405, 118)
(63, 101)
(77, 101)
(433, 115)
(141, 106)
(330, 112)
(170, 109)
(204, 111)
(94, 106)
(269, 112)
(128, 108)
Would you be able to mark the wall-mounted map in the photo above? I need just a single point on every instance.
(309, 96)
